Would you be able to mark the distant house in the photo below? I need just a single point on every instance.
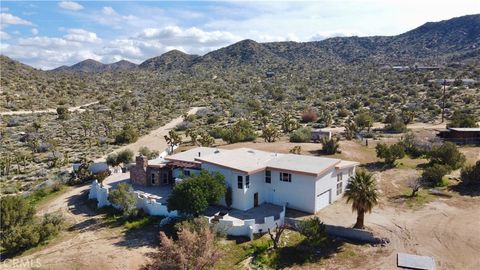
(304, 183)
(467, 82)
(269, 74)
(94, 168)
(318, 134)
(460, 135)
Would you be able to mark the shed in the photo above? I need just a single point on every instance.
(460, 135)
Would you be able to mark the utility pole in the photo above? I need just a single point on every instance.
(443, 107)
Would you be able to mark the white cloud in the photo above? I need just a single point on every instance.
(4, 35)
(70, 5)
(7, 18)
(81, 35)
(34, 31)
(4, 9)
(109, 11)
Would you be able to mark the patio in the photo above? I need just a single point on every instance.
(257, 213)
(159, 193)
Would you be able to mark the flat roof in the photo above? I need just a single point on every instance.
(192, 154)
(300, 163)
(466, 129)
(242, 159)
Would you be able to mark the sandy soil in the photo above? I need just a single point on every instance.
(444, 228)
(71, 109)
(90, 243)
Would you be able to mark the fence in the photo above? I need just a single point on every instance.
(248, 227)
(150, 206)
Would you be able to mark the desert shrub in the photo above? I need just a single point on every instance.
(330, 146)
(193, 195)
(463, 120)
(447, 154)
(396, 127)
(184, 126)
(20, 228)
(309, 116)
(303, 134)
(412, 146)
(390, 153)
(471, 174)
(216, 132)
(129, 134)
(314, 230)
(125, 156)
(434, 174)
(195, 248)
(212, 119)
(150, 154)
(364, 120)
(63, 113)
(124, 198)
(241, 131)
(343, 113)
(13, 122)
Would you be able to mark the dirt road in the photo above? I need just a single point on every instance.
(71, 109)
(90, 243)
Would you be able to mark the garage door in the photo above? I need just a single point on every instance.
(323, 200)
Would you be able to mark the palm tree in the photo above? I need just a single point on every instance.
(362, 192)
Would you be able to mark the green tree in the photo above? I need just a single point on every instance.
(129, 134)
(390, 153)
(124, 197)
(303, 134)
(205, 139)
(434, 174)
(241, 131)
(330, 146)
(150, 154)
(270, 133)
(447, 154)
(63, 113)
(314, 230)
(463, 120)
(193, 195)
(470, 175)
(173, 139)
(362, 192)
(125, 156)
(364, 120)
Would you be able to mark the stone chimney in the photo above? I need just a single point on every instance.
(141, 161)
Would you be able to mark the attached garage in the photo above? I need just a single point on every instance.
(323, 200)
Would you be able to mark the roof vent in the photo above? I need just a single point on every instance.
(216, 151)
(199, 154)
(251, 151)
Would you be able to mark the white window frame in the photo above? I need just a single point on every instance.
(284, 175)
(339, 177)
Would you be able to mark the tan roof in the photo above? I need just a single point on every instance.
(301, 163)
(245, 160)
(192, 154)
(346, 164)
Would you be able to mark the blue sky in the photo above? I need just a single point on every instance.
(47, 34)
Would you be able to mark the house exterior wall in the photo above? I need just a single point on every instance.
(328, 181)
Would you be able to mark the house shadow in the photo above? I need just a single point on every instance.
(147, 236)
(300, 254)
(376, 166)
(465, 189)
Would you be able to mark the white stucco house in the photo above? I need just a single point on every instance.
(300, 182)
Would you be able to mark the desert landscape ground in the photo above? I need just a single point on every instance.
(437, 226)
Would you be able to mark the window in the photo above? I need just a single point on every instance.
(186, 173)
(268, 177)
(247, 181)
(339, 188)
(350, 172)
(153, 178)
(340, 177)
(285, 177)
(240, 182)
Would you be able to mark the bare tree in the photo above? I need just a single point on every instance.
(415, 183)
(278, 233)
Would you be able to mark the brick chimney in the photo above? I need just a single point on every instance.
(141, 161)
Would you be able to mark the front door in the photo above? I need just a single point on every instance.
(255, 199)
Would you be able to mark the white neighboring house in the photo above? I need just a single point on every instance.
(300, 182)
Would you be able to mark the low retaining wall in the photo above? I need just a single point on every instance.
(150, 206)
(248, 227)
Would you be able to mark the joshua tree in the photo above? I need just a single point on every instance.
(362, 192)
(270, 133)
(193, 135)
(172, 139)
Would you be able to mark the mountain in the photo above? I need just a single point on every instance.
(93, 66)
(171, 60)
(457, 39)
